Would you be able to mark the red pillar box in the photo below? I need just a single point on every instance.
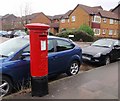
(38, 58)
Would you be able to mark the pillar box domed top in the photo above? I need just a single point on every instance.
(37, 26)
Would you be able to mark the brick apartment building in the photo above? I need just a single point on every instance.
(0, 22)
(104, 23)
(7, 22)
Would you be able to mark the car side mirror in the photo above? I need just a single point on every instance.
(24, 55)
(116, 47)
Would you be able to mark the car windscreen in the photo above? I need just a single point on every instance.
(103, 43)
(11, 46)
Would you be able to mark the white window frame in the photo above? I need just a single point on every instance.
(115, 32)
(62, 20)
(73, 18)
(110, 32)
(95, 17)
(104, 31)
(29, 21)
(116, 21)
(68, 20)
(24, 22)
(12, 22)
(104, 20)
(111, 21)
(96, 29)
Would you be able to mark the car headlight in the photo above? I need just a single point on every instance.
(97, 55)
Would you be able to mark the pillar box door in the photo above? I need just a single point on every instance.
(38, 49)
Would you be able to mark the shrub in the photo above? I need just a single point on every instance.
(50, 33)
(78, 36)
(65, 34)
(85, 28)
(82, 36)
(96, 38)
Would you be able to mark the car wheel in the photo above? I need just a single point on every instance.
(5, 86)
(73, 69)
(107, 60)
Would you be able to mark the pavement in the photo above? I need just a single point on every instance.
(98, 83)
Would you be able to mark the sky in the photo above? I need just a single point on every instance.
(49, 7)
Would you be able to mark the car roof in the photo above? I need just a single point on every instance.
(49, 36)
(110, 39)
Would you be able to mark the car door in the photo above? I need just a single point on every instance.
(51, 55)
(116, 50)
(21, 66)
(62, 55)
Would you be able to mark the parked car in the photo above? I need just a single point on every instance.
(3, 33)
(0, 33)
(102, 51)
(64, 56)
(19, 33)
(10, 34)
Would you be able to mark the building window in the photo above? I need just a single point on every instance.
(110, 32)
(68, 20)
(116, 22)
(24, 22)
(29, 21)
(115, 32)
(104, 31)
(97, 31)
(73, 18)
(104, 20)
(63, 21)
(12, 22)
(111, 21)
(56, 20)
(97, 19)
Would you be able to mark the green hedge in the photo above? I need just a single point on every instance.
(78, 36)
(50, 33)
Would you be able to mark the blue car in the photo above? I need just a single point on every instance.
(64, 56)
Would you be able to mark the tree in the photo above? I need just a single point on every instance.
(25, 14)
(85, 28)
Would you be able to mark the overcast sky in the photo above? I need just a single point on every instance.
(50, 7)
